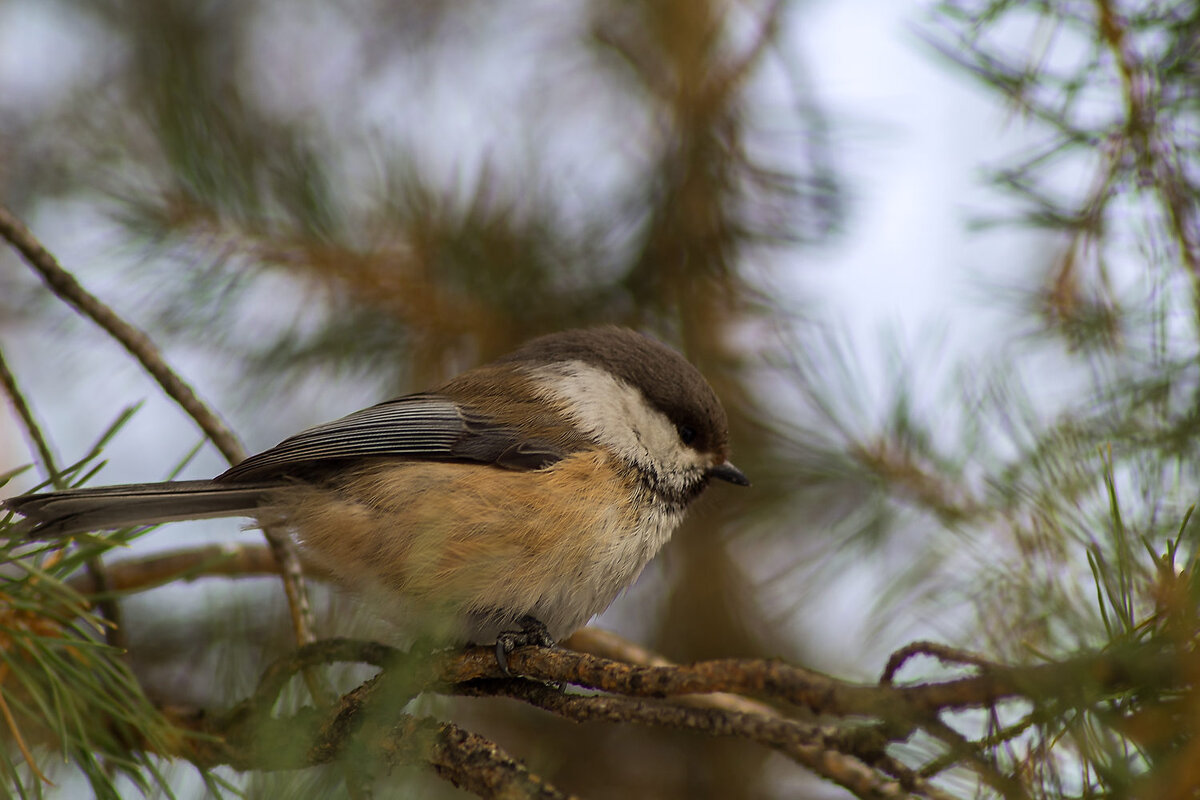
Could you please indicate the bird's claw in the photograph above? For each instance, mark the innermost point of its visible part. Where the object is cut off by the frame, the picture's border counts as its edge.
(532, 633)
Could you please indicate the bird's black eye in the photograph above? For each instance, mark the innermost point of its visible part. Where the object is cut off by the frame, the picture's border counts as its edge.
(687, 434)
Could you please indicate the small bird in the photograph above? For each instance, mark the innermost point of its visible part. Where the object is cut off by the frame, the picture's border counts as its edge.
(514, 502)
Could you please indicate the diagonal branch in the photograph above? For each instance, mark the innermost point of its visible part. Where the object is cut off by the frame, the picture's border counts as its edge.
(141, 347)
(135, 341)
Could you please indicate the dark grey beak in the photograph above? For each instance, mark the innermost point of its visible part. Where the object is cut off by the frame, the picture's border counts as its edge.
(728, 472)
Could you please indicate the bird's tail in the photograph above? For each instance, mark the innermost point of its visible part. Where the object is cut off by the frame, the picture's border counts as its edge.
(57, 514)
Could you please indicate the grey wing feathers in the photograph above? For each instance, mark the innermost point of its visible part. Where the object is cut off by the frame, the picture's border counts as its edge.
(416, 426)
(421, 426)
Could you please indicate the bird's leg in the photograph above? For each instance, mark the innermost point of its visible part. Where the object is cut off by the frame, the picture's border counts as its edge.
(532, 632)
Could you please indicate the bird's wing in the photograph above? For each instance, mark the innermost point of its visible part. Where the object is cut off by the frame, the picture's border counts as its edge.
(420, 426)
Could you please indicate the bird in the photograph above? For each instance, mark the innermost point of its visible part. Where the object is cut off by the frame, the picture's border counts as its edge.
(511, 504)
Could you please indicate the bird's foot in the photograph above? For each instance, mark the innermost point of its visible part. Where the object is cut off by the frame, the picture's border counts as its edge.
(532, 632)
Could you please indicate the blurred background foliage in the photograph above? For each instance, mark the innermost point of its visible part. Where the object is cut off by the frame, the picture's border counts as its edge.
(381, 194)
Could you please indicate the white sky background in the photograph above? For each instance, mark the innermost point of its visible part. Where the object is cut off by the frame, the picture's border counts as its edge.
(911, 134)
(906, 277)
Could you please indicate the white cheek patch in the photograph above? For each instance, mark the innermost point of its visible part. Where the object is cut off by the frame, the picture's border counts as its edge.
(618, 417)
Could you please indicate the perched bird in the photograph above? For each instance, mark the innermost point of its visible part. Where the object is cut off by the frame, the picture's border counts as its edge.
(514, 502)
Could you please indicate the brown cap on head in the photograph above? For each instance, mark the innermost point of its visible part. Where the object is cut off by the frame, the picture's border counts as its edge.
(665, 378)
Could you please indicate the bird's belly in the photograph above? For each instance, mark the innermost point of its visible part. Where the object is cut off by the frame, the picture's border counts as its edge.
(569, 596)
(471, 549)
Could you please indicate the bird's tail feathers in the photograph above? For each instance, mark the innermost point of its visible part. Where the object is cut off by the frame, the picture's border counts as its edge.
(57, 514)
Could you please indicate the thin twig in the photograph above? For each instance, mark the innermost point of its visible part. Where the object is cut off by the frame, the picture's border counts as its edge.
(226, 560)
(141, 347)
(114, 634)
(25, 414)
(943, 653)
(1170, 181)
(987, 769)
(135, 341)
(326, 651)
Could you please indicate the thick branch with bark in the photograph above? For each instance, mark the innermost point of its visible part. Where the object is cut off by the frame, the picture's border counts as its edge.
(851, 752)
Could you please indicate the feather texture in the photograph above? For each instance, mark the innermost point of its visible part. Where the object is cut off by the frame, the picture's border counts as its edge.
(57, 514)
(558, 544)
(418, 426)
(539, 485)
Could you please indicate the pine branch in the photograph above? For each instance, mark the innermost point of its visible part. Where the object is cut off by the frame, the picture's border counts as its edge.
(64, 285)
(852, 753)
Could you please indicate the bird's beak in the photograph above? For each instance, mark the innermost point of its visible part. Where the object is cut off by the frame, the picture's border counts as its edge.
(728, 472)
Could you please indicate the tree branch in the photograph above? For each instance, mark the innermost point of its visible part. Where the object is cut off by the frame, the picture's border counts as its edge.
(138, 344)
(1078, 679)
(227, 560)
(842, 757)
(853, 755)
